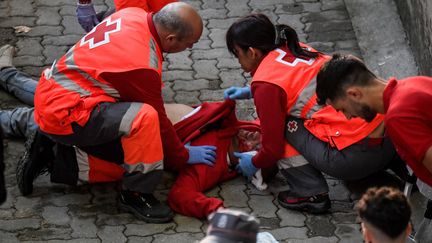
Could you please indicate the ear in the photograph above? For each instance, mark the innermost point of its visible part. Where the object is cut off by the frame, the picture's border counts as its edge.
(171, 38)
(354, 92)
(366, 233)
(254, 53)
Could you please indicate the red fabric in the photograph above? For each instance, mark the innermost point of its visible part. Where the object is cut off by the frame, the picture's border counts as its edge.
(217, 125)
(272, 122)
(408, 120)
(147, 5)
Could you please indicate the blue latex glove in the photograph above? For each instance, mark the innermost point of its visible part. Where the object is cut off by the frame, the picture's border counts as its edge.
(201, 154)
(235, 93)
(86, 15)
(245, 165)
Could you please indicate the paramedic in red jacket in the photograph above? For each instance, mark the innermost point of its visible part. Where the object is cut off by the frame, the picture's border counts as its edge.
(349, 86)
(97, 98)
(88, 18)
(283, 88)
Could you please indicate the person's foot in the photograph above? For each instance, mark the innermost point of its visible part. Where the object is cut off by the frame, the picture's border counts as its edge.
(145, 206)
(37, 159)
(315, 204)
(6, 56)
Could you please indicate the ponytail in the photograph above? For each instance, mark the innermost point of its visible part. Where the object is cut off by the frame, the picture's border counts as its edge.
(287, 36)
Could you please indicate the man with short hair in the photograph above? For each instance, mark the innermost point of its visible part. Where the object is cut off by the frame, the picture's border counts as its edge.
(345, 83)
(104, 97)
(385, 216)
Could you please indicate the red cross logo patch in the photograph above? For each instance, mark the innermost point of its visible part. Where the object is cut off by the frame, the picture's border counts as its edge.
(100, 35)
(292, 126)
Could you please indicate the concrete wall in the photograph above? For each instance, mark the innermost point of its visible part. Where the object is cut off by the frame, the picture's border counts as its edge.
(416, 17)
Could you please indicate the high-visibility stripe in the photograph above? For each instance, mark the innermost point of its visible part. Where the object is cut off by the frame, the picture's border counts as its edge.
(154, 60)
(291, 162)
(303, 99)
(143, 167)
(128, 118)
(71, 65)
(83, 164)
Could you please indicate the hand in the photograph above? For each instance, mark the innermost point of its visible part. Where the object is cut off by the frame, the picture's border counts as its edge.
(245, 165)
(201, 154)
(86, 16)
(234, 93)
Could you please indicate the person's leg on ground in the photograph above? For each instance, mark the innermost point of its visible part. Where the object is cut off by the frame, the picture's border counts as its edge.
(14, 81)
(18, 122)
(308, 187)
(354, 162)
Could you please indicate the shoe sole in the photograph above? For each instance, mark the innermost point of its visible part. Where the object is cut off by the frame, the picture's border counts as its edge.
(314, 208)
(22, 168)
(132, 210)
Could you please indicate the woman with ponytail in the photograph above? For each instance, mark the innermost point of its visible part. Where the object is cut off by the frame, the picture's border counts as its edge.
(301, 137)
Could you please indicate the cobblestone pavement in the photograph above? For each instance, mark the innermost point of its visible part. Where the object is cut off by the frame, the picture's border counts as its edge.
(56, 213)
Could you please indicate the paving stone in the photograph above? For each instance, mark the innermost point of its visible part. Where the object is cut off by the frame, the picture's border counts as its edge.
(225, 63)
(112, 234)
(187, 224)
(289, 8)
(56, 215)
(233, 196)
(289, 233)
(320, 225)
(167, 93)
(338, 191)
(18, 224)
(260, 209)
(114, 219)
(291, 218)
(221, 23)
(211, 95)
(64, 40)
(8, 237)
(68, 199)
(293, 21)
(86, 240)
(180, 60)
(238, 8)
(330, 36)
(232, 78)
(26, 206)
(67, 10)
(268, 223)
(148, 229)
(54, 3)
(29, 46)
(325, 16)
(173, 75)
(21, 8)
(28, 61)
(211, 13)
(6, 213)
(260, 3)
(16, 21)
(135, 239)
(333, 5)
(341, 25)
(217, 4)
(48, 16)
(213, 53)
(52, 53)
(45, 234)
(205, 69)
(318, 239)
(349, 233)
(346, 44)
(345, 218)
(71, 26)
(187, 98)
(83, 227)
(191, 85)
(202, 44)
(44, 31)
(218, 38)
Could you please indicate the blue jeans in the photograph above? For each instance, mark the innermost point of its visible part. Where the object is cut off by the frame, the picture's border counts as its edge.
(18, 122)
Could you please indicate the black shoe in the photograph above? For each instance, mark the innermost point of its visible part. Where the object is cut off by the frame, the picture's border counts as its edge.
(315, 204)
(37, 159)
(145, 206)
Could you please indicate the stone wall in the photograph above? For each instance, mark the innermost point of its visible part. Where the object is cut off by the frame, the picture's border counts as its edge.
(416, 17)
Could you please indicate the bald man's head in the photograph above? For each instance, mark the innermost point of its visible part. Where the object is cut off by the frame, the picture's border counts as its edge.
(179, 26)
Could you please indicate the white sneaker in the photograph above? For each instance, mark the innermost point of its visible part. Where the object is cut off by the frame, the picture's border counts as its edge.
(6, 56)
